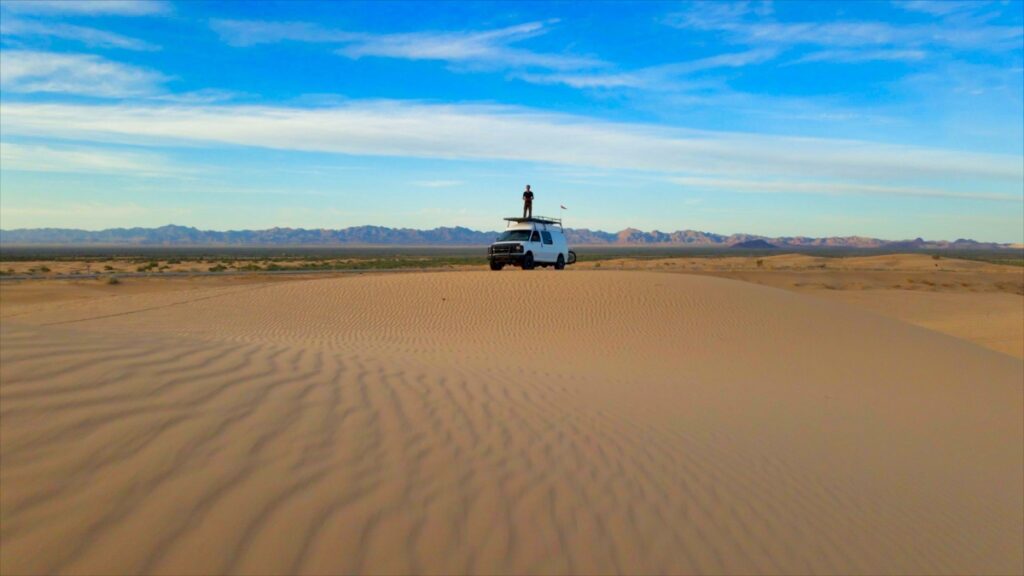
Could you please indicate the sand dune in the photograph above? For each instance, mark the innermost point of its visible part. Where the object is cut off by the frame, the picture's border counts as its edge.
(477, 422)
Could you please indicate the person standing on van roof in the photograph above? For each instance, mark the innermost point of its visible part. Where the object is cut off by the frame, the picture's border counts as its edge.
(528, 203)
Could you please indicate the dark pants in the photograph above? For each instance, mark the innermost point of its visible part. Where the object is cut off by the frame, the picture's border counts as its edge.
(527, 209)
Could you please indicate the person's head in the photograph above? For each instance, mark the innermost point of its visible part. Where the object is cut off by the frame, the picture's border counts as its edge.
(527, 187)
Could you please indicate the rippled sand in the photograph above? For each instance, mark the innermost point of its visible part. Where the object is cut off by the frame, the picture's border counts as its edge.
(477, 422)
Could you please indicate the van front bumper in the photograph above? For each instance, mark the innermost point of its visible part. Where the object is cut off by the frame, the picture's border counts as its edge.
(516, 259)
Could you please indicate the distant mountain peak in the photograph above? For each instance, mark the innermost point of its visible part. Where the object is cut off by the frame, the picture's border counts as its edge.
(178, 235)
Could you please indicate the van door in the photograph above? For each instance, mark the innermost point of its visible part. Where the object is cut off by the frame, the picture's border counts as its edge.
(550, 250)
(537, 247)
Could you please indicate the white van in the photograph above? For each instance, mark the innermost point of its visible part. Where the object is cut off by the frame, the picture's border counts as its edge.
(531, 242)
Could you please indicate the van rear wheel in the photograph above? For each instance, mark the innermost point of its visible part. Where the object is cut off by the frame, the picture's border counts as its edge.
(560, 263)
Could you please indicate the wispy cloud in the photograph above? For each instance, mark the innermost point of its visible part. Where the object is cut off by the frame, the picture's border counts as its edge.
(498, 133)
(588, 80)
(21, 28)
(198, 97)
(661, 77)
(483, 48)
(857, 56)
(939, 7)
(252, 32)
(80, 159)
(88, 7)
(488, 48)
(738, 23)
(82, 74)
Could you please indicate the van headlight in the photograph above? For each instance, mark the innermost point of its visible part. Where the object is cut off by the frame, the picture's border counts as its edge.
(518, 248)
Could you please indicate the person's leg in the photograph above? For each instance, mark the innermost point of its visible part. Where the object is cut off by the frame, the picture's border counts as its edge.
(525, 208)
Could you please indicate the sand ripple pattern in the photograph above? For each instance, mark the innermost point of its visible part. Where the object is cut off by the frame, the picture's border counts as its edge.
(500, 423)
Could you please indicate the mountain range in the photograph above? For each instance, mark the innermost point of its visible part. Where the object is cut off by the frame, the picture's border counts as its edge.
(172, 235)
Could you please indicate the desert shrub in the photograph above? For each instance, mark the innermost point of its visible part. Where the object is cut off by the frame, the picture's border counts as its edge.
(218, 268)
(108, 267)
(175, 261)
(44, 269)
(760, 263)
(936, 257)
(113, 280)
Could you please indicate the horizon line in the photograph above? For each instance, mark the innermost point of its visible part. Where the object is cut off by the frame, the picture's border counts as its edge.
(592, 230)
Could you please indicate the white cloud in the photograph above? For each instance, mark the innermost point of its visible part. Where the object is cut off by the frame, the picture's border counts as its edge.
(487, 48)
(731, 20)
(14, 27)
(78, 159)
(89, 7)
(858, 56)
(835, 189)
(252, 32)
(937, 7)
(588, 80)
(82, 74)
(662, 77)
(201, 96)
(497, 133)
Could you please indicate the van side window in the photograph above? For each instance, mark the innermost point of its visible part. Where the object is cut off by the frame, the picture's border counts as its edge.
(547, 237)
(535, 237)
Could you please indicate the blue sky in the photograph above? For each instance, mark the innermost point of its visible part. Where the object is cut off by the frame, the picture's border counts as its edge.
(893, 120)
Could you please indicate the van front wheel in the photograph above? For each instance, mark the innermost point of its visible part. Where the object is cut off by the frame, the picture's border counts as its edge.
(528, 261)
(560, 263)
(496, 265)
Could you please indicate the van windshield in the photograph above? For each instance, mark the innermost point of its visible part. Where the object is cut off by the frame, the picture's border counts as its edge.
(514, 236)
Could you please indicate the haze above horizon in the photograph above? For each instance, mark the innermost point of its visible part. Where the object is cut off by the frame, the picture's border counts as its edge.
(890, 120)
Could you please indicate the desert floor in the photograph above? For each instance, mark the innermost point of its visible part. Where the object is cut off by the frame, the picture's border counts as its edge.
(648, 420)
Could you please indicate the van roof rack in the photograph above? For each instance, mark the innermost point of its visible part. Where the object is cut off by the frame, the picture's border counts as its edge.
(537, 219)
